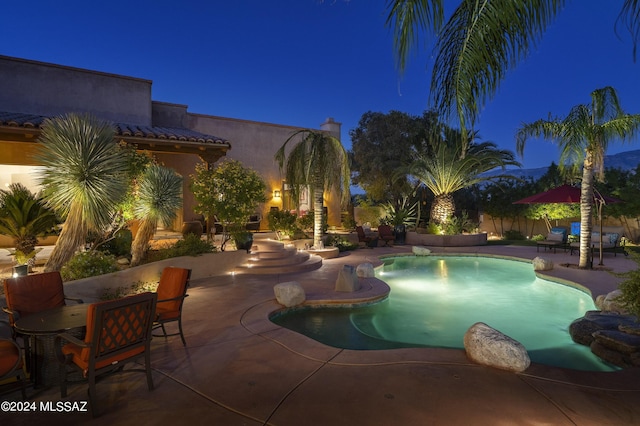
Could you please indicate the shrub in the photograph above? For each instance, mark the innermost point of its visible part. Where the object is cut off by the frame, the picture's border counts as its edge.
(88, 264)
(342, 243)
(459, 224)
(513, 235)
(283, 222)
(538, 237)
(630, 287)
(190, 245)
(135, 288)
(120, 245)
(434, 228)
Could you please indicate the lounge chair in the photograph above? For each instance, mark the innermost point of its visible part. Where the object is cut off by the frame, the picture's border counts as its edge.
(557, 238)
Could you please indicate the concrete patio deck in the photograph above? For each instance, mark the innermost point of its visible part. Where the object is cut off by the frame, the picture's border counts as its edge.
(238, 368)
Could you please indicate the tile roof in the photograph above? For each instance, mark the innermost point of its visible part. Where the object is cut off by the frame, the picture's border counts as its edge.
(31, 121)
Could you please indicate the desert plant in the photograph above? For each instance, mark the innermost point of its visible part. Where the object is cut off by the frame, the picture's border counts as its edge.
(158, 199)
(24, 217)
(402, 214)
(190, 245)
(88, 264)
(84, 178)
(459, 224)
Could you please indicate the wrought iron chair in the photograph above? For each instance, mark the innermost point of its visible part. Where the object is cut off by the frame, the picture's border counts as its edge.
(118, 331)
(11, 363)
(172, 290)
(34, 293)
(30, 294)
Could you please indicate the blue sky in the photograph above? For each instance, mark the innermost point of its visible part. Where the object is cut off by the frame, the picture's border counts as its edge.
(298, 62)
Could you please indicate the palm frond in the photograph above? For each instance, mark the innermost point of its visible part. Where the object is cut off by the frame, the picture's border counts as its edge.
(630, 17)
(407, 19)
(478, 45)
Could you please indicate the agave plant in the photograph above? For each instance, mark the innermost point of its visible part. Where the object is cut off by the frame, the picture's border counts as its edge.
(402, 214)
(24, 217)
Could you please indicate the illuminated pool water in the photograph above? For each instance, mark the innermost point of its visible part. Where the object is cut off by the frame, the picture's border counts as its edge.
(434, 301)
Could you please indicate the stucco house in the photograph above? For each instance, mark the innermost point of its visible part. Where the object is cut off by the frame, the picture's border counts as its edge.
(31, 91)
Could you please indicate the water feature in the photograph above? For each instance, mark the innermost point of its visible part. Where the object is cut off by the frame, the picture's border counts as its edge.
(434, 300)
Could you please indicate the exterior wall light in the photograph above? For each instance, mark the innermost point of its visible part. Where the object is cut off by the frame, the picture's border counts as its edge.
(276, 194)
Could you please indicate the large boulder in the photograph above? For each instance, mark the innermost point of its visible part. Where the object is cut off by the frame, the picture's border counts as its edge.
(609, 302)
(487, 346)
(347, 279)
(365, 270)
(542, 264)
(289, 293)
(420, 251)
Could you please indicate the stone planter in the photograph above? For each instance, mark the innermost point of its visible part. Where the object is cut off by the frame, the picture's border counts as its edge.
(461, 240)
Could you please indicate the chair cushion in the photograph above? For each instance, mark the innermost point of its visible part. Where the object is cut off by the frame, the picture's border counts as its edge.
(34, 293)
(83, 362)
(9, 356)
(172, 284)
(163, 314)
(555, 237)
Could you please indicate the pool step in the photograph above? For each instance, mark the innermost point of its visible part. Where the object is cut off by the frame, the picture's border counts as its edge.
(274, 257)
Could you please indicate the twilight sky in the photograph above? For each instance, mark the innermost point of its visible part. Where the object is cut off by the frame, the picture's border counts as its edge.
(297, 62)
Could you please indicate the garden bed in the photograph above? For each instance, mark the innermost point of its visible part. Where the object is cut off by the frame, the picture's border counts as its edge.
(459, 240)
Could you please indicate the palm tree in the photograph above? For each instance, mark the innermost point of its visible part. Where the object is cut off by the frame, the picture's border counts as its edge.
(158, 199)
(24, 217)
(478, 45)
(583, 137)
(83, 178)
(444, 171)
(318, 160)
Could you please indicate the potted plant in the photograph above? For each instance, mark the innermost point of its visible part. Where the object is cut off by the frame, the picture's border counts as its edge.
(24, 217)
(400, 216)
(231, 192)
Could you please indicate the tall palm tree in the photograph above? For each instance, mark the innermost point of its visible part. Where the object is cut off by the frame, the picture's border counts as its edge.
(478, 45)
(83, 178)
(318, 160)
(24, 218)
(583, 137)
(158, 199)
(444, 171)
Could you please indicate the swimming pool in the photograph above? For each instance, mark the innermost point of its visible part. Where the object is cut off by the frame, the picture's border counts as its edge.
(434, 300)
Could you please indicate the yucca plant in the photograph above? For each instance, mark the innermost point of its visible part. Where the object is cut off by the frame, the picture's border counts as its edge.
(158, 199)
(83, 178)
(24, 217)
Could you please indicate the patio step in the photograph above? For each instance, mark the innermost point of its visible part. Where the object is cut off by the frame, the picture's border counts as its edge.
(274, 257)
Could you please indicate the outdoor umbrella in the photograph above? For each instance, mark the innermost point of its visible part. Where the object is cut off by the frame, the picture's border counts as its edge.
(569, 195)
(564, 194)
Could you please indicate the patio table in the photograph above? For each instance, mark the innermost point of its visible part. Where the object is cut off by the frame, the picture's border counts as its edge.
(42, 328)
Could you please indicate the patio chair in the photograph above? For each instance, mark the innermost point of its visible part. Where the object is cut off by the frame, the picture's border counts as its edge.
(172, 290)
(11, 363)
(386, 234)
(364, 238)
(118, 332)
(557, 238)
(30, 294)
